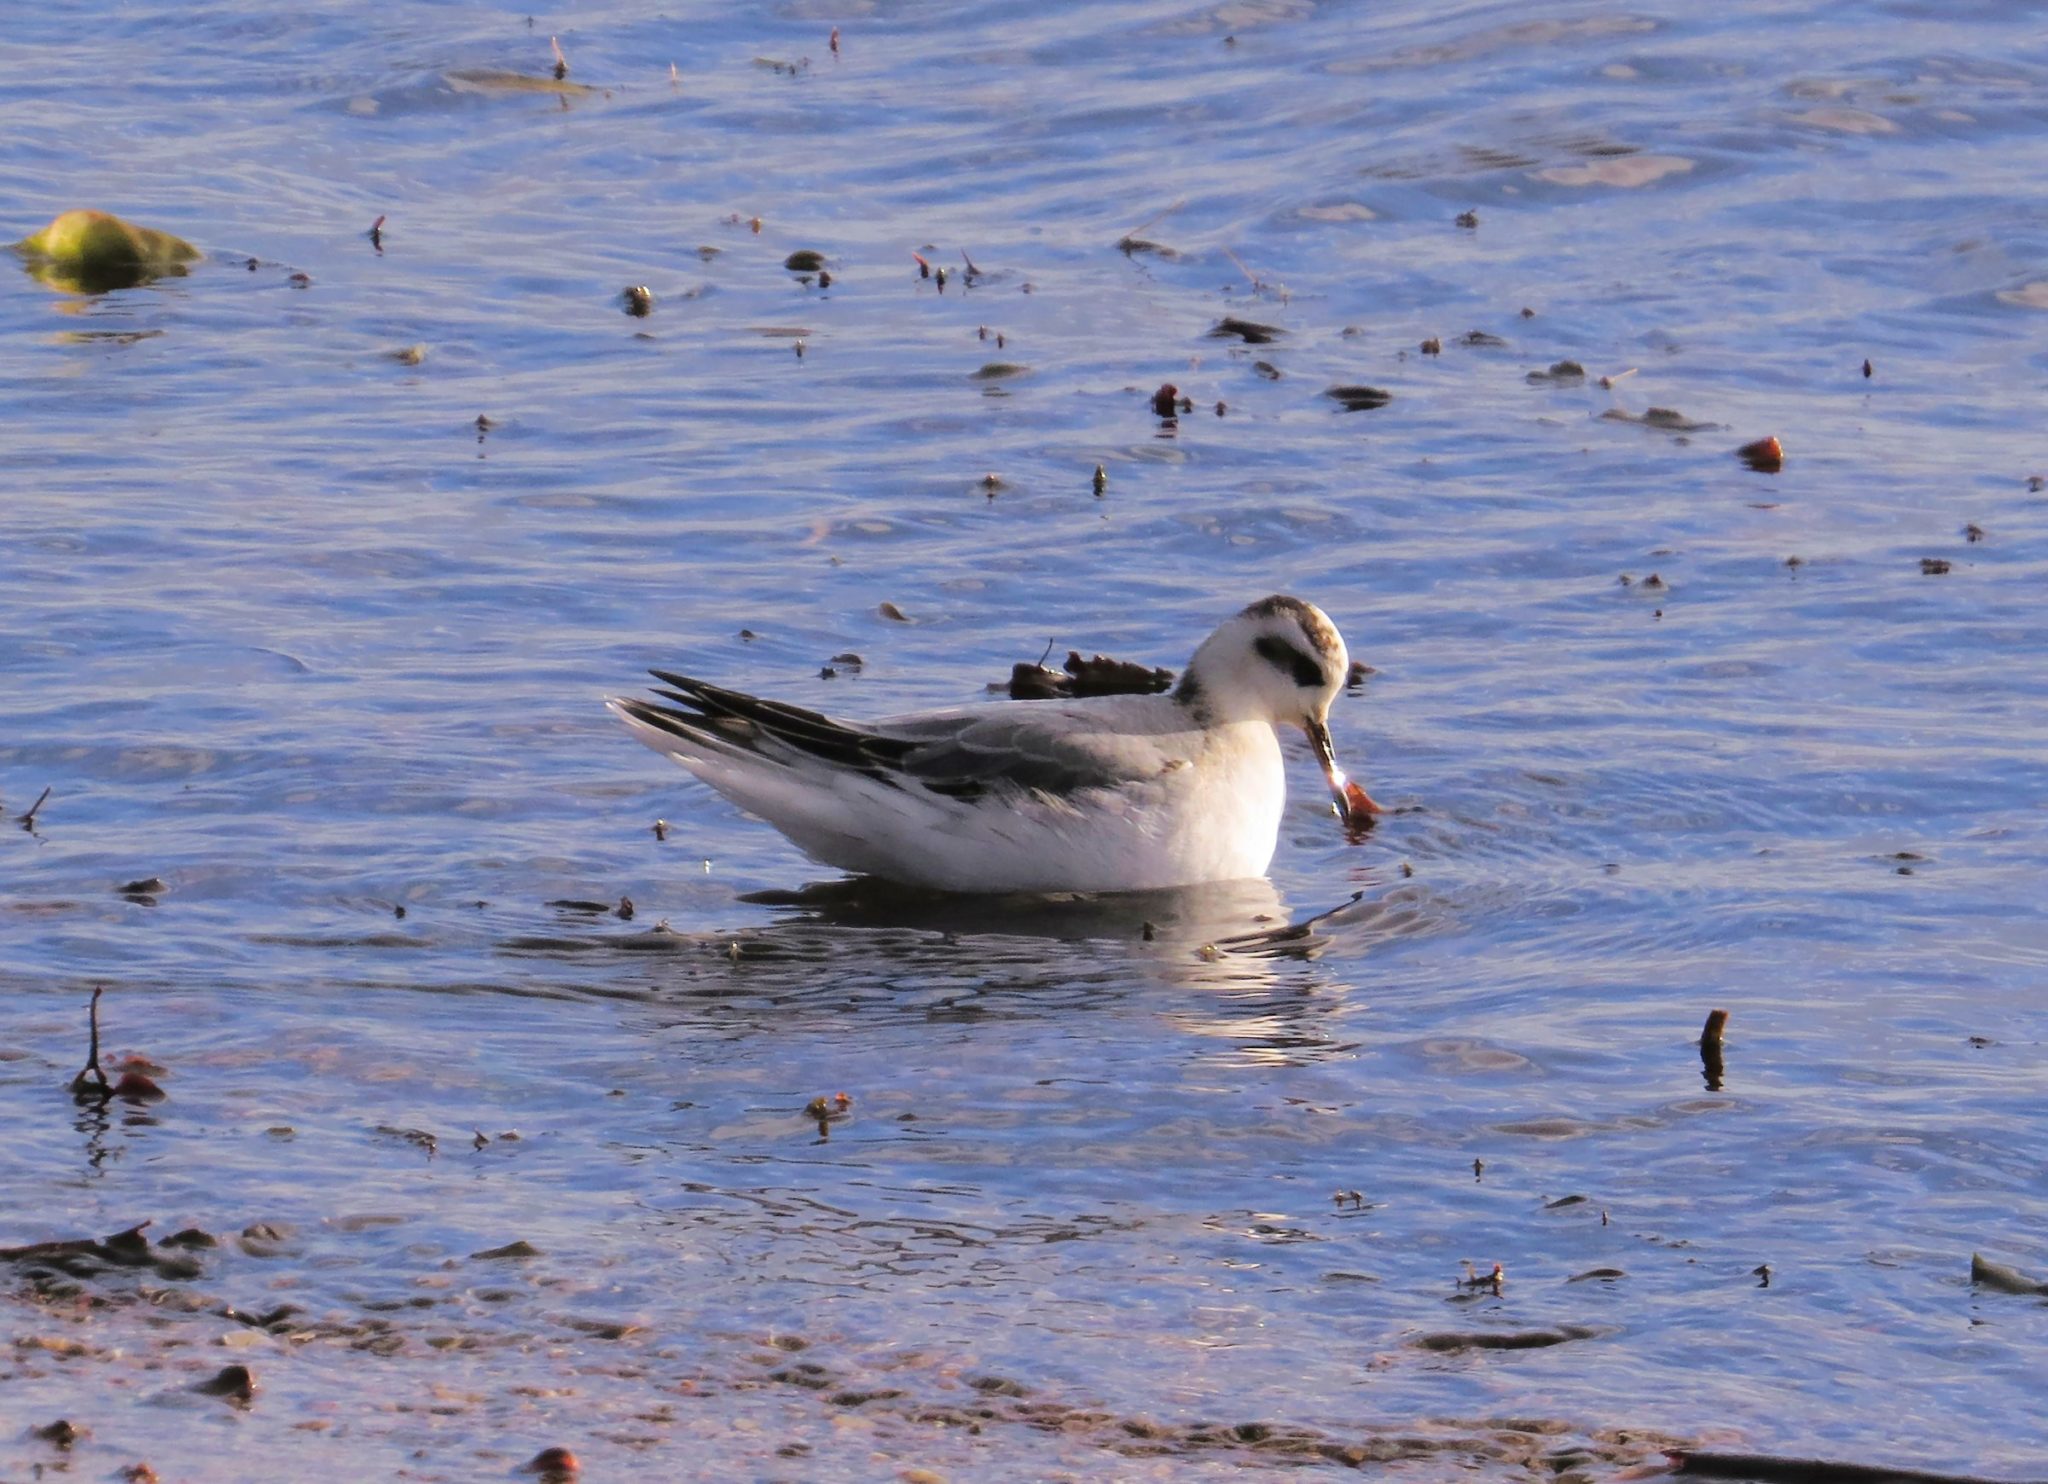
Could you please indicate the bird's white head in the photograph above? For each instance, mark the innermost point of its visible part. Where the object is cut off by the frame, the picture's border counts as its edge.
(1280, 660)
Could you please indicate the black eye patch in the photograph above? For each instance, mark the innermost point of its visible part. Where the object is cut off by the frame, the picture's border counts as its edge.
(1289, 661)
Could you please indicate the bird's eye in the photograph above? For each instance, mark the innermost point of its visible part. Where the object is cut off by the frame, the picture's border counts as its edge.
(1289, 661)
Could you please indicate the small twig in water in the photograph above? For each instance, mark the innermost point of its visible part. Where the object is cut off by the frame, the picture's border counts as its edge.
(28, 820)
(561, 62)
(1155, 217)
(91, 1081)
(1250, 277)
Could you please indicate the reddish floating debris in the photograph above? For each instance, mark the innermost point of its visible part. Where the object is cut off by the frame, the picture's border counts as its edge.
(1166, 401)
(138, 1087)
(1766, 455)
(554, 1463)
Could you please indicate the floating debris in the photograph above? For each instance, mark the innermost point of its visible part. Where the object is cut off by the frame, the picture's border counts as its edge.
(1710, 1049)
(1469, 220)
(1098, 675)
(95, 252)
(1666, 419)
(891, 612)
(375, 234)
(1166, 402)
(1759, 1468)
(804, 260)
(1866, 368)
(555, 1465)
(1473, 1278)
(998, 371)
(1560, 371)
(1101, 480)
(639, 300)
(91, 1081)
(1131, 246)
(235, 1382)
(1251, 332)
(1934, 566)
(1359, 398)
(826, 1111)
(1765, 455)
(489, 81)
(1432, 346)
(1266, 369)
(1481, 339)
(2002, 1279)
(410, 355)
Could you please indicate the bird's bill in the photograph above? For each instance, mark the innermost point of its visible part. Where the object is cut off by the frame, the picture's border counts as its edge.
(1354, 804)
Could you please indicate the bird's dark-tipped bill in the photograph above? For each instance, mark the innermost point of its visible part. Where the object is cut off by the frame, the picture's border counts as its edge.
(1354, 805)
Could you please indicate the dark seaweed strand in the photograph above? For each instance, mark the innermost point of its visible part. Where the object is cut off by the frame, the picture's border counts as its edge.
(1760, 1468)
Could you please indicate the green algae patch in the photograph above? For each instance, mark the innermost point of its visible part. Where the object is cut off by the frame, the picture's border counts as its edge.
(91, 252)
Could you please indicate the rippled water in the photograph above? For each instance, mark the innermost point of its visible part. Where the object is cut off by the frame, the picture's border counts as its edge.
(284, 631)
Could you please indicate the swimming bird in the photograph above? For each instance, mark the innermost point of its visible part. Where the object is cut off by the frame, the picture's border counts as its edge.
(1106, 794)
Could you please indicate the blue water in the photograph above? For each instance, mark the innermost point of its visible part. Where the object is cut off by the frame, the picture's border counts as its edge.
(283, 631)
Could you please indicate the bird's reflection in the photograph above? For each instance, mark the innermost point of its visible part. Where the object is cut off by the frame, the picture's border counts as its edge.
(1236, 965)
(1194, 915)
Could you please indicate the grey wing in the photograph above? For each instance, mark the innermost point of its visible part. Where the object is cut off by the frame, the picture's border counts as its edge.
(963, 754)
(1025, 746)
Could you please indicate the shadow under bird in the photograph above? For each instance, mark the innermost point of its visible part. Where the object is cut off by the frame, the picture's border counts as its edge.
(1107, 794)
